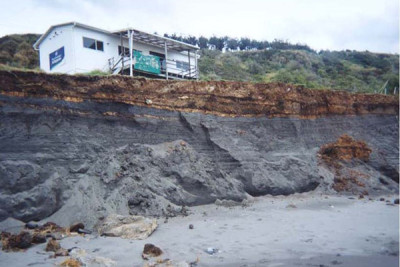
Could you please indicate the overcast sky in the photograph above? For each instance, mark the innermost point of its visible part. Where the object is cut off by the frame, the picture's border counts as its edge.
(322, 24)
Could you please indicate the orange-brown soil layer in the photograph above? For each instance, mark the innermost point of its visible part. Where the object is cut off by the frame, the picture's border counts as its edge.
(218, 97)
(346, 149)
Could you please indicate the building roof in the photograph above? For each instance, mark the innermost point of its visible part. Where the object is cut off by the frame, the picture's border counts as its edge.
(138, 35)
(41, 39)
(156, 40)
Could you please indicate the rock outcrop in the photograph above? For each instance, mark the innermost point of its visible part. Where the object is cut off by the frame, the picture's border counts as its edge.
(76, 148)
(128, 227)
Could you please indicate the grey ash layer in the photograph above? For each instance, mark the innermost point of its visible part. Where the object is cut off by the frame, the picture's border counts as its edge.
(72, 163)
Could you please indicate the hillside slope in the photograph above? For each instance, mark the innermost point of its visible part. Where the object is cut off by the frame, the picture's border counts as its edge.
(16, 51)
(345, 70)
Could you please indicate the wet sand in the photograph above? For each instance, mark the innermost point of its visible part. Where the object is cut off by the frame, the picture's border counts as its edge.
(298, 230)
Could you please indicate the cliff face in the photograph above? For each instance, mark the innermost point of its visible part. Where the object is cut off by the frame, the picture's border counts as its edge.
(218, 98)
(77, 148)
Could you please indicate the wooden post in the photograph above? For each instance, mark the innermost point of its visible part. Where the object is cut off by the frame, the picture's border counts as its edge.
(122, 53)
(130, 52)
(383, 89)
(189, 63)
(166, 57)
(197, 70)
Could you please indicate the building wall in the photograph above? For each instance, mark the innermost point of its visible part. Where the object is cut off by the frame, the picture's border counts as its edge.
(88, 59)
(57, 38)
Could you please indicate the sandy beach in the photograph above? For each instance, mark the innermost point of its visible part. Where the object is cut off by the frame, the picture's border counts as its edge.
(298, 230)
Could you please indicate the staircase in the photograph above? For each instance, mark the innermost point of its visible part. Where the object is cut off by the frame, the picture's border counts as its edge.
(121, 64)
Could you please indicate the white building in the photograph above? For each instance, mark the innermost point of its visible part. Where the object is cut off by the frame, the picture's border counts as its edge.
(77, 48)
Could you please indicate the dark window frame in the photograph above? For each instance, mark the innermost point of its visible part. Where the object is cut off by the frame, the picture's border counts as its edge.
(160, 55)
(126, 51)
(94, 44)
(97, 45)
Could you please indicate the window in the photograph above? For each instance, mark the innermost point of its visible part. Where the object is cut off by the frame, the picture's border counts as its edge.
(126, 51)
(89, 43)
(182, 65)
(93, 44)
(161, 56)
(99, 45)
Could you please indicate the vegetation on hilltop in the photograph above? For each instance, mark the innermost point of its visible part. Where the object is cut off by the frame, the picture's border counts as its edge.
(233, 44)
(348, 70)
(224, 58)
(16, 51)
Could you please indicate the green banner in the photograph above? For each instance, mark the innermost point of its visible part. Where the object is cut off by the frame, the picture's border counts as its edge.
(147, 63)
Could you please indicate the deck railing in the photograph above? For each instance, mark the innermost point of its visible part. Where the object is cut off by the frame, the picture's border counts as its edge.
(191, 72)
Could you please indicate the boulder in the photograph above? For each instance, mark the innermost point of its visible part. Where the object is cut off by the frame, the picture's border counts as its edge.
(50, 227)
(61, 252)
(52, 245)
(129, 227)
(24, 240)
(150, 250)
(16, 242)
(12, 225)
(31, 225)
(71, 262)
(86, 259)
(38, 238)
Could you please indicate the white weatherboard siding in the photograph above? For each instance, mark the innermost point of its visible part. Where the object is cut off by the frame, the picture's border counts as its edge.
(88, 59)
(80, 59)
(58, 37)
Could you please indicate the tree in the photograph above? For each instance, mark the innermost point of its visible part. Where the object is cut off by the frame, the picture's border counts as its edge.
(254, 44)
(244, 43)
(176, 37)
(217, 42)
(232, 44)
(262, 45)
(190, 40)
(203, 42)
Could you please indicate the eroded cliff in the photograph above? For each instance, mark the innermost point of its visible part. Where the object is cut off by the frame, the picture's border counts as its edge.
(218, 98)
(77, 148)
